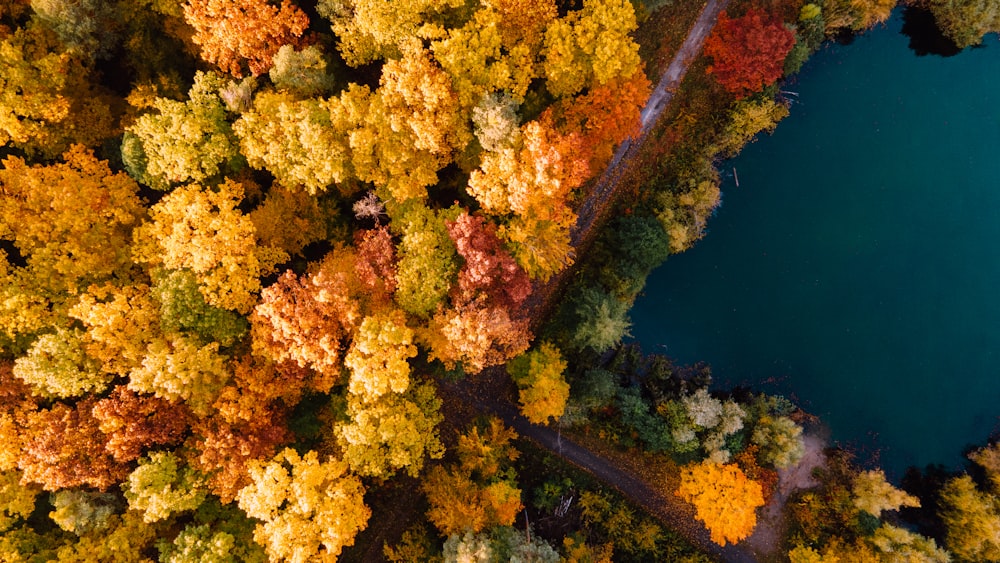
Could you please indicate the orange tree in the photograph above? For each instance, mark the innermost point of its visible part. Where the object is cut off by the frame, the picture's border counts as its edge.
(724, 498)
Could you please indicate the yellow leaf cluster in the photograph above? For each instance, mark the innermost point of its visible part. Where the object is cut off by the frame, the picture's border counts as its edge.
(724, 498)
(309, 509)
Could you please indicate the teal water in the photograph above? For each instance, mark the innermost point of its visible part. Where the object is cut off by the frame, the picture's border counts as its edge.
(857, 266)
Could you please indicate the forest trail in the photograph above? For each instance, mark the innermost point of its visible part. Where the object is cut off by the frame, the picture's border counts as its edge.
(602, 193)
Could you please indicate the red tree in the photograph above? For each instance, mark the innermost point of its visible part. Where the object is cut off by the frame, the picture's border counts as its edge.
(748, 52)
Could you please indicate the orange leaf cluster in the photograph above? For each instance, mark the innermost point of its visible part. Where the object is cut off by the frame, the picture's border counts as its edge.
(723, 498)
(240, 34)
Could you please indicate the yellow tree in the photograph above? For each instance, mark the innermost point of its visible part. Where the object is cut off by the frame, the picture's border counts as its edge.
(971, 520)
(408, 129)
(590, 47)
(178, 368)
(478, 61)
(368, 30)
(304, 143)
(47, 101)
(874, 495)
(289, 219)
(427, 258)
(723, 498)
(480, 489)
(542, 387)
(378, 358)
(71, 222)
(238, 35)
(393, 432)
(204, 231)
(309, 510)
(120, 323)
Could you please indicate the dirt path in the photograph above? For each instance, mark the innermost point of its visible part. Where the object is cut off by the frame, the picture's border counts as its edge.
(604, 190)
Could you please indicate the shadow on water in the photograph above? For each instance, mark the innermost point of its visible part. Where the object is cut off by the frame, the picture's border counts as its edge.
(925, 36)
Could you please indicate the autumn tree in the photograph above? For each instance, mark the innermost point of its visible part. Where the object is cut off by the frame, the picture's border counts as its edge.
(378, 358)
(543, 390)
(971, 520)
(723, 498)
(427, 258)
(479, 63)
(590, 47)
(478, 490)
(966, 22)
(874, 495)
(71, 223)
(304, 143)
(408, 129)
(605, 116)
(475, 335)
(307, 319)
(376, 264)
(204, 231)
(161, 486)
(120, 323)
(780, 441)
(88, 27)
(179, 142)
(181, 369)
(47, 100)
(309, 510)
(394, 432)
(237, 35)
(748, 52)
(368, 30)
(746, 120)
(488, 270)
(291, 219)
(856, 14)
(17, 499)
(64, 447)
(134, 422)
(81, 512)
(306, 72)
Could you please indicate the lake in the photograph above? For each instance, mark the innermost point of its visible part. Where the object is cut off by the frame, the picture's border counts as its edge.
(856, 268)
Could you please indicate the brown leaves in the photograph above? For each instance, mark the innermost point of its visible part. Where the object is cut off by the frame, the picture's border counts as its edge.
(65, 447)
(133, 422)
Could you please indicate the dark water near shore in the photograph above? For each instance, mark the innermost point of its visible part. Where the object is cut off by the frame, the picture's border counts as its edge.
(857, 266)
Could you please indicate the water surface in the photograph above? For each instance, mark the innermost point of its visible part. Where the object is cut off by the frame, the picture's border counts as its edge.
(857, 266)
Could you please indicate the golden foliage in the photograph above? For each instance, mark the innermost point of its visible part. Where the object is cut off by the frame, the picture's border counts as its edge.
(723, 498)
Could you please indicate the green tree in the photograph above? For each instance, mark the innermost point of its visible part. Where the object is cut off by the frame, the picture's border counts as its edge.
(183, 309)
(82, 512)
(57, 365)
(780, 441)
(427, 258)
